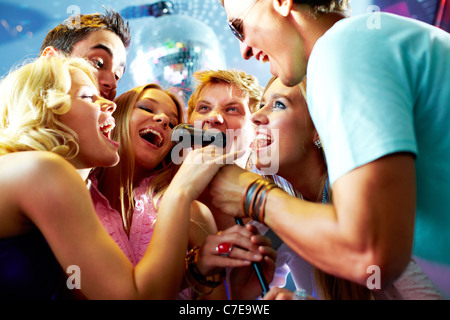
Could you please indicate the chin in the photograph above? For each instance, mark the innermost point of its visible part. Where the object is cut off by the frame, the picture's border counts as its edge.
(110, 162)
(293, 78)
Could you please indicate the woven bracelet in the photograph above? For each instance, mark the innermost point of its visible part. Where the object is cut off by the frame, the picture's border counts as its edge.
(254, 198)
(191, 266)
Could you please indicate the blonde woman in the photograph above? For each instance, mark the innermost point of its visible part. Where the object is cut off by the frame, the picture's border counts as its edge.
(53, 123)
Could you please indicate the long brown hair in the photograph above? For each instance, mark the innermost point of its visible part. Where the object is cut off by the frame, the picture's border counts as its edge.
(163, 173)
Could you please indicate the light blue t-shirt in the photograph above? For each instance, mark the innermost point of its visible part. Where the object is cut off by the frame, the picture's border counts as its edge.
(378, 91)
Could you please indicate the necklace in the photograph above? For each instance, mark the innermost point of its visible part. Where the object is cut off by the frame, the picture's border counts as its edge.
(325, 192)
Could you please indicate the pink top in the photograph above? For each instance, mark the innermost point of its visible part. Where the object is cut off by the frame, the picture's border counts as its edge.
(142, 225)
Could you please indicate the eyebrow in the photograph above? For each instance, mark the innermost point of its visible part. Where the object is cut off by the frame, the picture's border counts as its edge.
(110, 53)
(227, 104)
(175, 115)
(278, 96)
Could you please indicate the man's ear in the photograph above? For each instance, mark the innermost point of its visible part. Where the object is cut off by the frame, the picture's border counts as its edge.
(283, 7)
(50, 52)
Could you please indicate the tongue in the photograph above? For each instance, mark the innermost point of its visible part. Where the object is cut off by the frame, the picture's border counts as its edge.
(257, 144)
(152, 138)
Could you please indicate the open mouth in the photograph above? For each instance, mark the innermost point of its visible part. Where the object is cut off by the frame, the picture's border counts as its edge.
(106, 127)
(152, 136)
(262, 57)
(261, 141)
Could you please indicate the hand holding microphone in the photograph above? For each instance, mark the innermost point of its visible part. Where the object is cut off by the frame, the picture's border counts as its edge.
(190, 136)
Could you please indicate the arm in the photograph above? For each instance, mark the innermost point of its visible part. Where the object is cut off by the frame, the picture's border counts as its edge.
(48, 192)
(370, 223)
(202, 225)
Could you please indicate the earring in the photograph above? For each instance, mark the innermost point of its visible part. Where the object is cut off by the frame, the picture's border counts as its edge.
(318, 144)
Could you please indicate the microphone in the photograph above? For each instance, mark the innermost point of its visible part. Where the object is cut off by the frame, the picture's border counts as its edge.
(257, 268)
(189, 136)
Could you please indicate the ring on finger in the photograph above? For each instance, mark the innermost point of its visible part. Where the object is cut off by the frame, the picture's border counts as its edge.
(224, 249)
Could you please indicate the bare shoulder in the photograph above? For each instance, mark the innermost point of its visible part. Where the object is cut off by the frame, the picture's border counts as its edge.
(29, 170)
(29, 162)
(25, 176)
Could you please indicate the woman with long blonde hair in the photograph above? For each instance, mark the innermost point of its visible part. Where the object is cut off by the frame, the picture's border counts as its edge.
(283, 123)
(53, 123)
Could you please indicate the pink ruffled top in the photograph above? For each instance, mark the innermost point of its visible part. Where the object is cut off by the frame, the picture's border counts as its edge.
(143, 222)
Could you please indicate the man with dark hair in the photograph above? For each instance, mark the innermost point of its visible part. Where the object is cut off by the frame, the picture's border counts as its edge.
(102, 39)
(378, 92)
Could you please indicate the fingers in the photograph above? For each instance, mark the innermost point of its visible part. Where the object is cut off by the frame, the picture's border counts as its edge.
(243, 251)
(240, 238)
(212, 155)
(264, 243)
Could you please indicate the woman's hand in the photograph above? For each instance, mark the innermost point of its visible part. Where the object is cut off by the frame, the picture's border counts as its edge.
(242, 253)
(198, 169)
(247, 246)
(244, 282)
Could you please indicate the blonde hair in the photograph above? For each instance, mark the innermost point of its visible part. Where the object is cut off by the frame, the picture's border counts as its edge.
(31, 99)
(121, 133)
(247, 83)
(328, 287)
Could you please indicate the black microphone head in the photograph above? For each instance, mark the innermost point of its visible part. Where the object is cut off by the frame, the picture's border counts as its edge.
(189, 136)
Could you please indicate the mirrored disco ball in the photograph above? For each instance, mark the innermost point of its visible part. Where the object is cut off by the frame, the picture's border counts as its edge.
(169, 49)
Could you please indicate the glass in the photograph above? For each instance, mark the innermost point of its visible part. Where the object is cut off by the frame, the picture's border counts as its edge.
(237, 30)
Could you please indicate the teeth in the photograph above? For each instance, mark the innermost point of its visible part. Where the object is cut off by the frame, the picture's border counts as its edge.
(261, 136)
(261, 140)
(148, 130)
(262, 58)
(143, 132)
(107, 126)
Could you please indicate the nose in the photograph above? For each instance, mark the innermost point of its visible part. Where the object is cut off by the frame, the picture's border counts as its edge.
(246, 51)
(108, 84)
(162, 118)
(107, 105)
(259, 118)
(214, 118)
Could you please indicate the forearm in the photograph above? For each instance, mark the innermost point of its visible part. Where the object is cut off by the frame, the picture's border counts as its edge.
(370, 222)
(164, 264)
(312, 230)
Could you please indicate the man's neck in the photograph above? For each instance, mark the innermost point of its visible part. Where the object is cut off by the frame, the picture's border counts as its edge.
(313, 26)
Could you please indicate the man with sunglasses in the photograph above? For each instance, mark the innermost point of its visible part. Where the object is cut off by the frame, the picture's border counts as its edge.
(378, 93)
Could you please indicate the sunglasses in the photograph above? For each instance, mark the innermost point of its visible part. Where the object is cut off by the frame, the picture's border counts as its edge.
(236, 28)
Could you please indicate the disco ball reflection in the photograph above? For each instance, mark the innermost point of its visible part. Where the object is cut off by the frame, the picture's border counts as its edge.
(169, 49)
